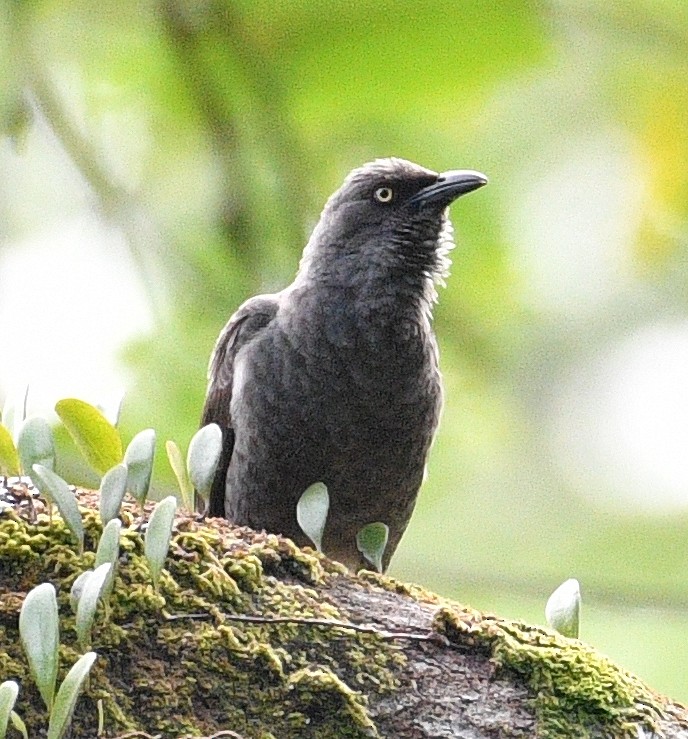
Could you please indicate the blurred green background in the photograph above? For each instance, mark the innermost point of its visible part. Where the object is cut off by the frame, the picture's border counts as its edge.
(162, 161)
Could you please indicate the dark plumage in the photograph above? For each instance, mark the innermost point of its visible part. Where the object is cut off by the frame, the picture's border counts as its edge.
(335, 378)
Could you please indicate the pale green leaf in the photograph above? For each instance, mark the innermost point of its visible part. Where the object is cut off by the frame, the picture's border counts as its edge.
(139, 462)
(108, 551)
(40, 637)
(371, 541)
(77, 589)
(35, 444)
(113, 486)
(158, 533)
(311, 512)
(563, 609)
(174, 455)
(67, 695)
(113, 409)
(55, 488)
(97, 439)
(203, 457)
(88, 603)
(9, 690)
(14, 411)
(9, 457)
(19, 725)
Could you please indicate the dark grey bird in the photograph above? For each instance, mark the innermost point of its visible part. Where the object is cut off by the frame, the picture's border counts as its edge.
(335, 379)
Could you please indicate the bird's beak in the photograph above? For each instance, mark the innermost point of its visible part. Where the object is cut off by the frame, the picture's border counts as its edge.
(449, 186)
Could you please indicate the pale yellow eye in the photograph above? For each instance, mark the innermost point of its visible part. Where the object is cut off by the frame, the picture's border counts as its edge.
(384, 194)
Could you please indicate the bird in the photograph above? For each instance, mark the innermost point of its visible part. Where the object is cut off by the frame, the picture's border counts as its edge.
(335, 379)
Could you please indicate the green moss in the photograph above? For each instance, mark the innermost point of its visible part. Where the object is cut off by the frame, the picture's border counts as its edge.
(174, 661)
(198, 676)
(413, 591)
(578, 692)
(324, 689)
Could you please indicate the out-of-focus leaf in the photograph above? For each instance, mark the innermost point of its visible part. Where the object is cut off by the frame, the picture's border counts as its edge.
(54, 487)
(67, 695)
(9, 457)
(452, 52)
(88, 603)
(311, 512)
(97, 439)
(17, 121)
(112, 410)
(158, 533)
(14, 411)
(371, 541)
(9, 690)
(113, 486)
(139, 462)
(40, 637)
(176, 459)
(563, 608)
(35, 444)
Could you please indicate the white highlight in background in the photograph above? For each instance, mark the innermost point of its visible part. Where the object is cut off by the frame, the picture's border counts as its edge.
(70, 298)
(621, 421)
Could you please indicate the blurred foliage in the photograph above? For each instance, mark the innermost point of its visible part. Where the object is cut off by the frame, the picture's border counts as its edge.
(210, 132)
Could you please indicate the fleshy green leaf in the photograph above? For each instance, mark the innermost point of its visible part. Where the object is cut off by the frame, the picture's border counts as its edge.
(371, 541)
(14, 411)
(97, 439)
(36, 445)
(113, 486)
(88, 603)
(139, 461)
(158, 533)
(9, 690)
(108, 552)
(202, 459)
(77, 589)
(563, 609)
(9, 457)
(67, 695)
(174, 455)
(311, 512)
(54, 487)
(113, 409)
(40, 637)
(19, 725)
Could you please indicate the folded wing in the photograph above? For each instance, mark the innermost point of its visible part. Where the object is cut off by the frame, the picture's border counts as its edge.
(249, 320)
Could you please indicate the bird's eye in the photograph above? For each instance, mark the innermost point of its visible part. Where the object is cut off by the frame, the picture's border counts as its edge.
(384, 194)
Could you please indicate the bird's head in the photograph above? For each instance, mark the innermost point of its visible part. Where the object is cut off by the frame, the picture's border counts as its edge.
(389, 217)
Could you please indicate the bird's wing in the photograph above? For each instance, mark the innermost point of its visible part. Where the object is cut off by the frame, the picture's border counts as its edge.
(253, 316)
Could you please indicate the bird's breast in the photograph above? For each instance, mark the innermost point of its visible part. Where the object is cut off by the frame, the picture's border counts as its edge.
(380, 366)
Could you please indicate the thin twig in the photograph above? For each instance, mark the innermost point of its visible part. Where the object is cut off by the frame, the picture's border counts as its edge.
(235, 131)
(321, 622)
(224, 734)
